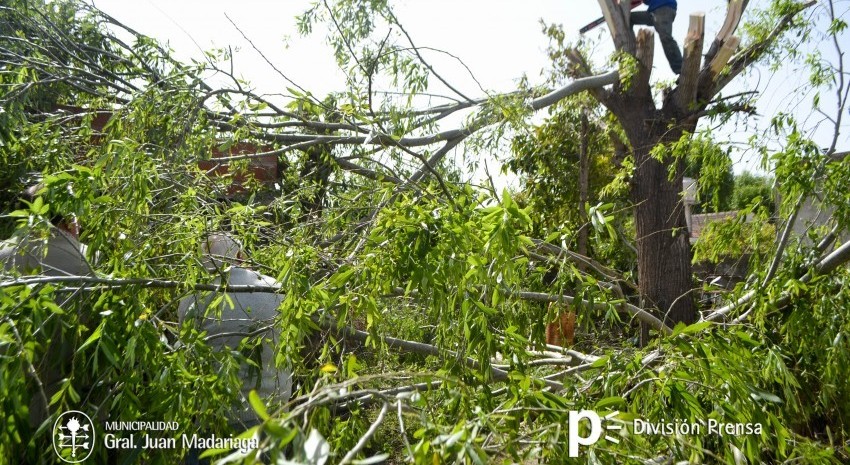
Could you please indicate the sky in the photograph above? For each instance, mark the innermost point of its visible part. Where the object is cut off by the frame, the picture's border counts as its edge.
(498, 40)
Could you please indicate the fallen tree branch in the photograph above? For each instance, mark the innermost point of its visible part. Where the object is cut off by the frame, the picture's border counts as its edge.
(825, 265)
(581, 84)
(559, 252)
(143, 282)
(637, 312)
(426, 349)
(367, 435)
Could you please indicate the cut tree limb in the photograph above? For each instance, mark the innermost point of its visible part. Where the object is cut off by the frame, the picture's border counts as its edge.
(617, 17)
(750, 54)
(428, 349)
(828, 264)
(734, 11)
(825, 265)
(645, 51)
(639, 313)
(581, 84)
(730, 46)
(686, 93)
(559, 252)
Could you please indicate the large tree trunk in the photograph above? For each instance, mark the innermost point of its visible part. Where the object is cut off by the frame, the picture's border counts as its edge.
(664, 252)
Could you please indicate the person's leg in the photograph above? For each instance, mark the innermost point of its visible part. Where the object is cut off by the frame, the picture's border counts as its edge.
(642, 18)
(663, 18)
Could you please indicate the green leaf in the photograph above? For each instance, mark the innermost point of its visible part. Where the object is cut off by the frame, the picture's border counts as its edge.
(257, 405)
(696, 327)
(601, 362)
(341, 277)
(609, 401)
(95, 335)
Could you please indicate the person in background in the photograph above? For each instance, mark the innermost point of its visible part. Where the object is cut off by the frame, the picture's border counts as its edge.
(251, 315)
(661, 14)
(60, 254)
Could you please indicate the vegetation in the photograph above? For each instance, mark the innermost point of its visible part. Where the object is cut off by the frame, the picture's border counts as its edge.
(752, 190)
(412, 316)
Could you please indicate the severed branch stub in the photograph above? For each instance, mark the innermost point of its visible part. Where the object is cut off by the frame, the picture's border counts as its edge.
(734, 11)
(710, 81)
(617, 17)
(689, 78)
(722, 58)
(645, 51)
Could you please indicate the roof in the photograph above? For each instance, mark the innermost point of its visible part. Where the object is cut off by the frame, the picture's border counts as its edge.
(700, 221)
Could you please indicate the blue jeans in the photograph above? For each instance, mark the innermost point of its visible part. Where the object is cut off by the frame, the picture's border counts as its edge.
(662, 19)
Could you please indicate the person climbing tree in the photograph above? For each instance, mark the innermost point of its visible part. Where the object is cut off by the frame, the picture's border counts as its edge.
(661, 14)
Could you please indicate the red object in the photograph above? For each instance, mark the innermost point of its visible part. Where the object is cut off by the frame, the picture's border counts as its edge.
(263, 168)
(561, 331)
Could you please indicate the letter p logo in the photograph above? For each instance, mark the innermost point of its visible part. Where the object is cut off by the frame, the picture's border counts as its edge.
(573, 432)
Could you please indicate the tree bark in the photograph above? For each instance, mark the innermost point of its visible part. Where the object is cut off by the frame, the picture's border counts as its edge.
(664, 252)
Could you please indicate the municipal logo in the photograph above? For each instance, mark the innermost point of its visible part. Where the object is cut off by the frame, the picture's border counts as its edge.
(73, 436)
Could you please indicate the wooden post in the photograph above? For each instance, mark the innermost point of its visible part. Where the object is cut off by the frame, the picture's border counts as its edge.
(689, 78)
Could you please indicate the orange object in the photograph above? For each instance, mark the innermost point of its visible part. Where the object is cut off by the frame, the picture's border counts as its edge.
(562, 330)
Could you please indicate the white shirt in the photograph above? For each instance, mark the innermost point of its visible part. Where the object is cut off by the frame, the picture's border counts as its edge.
(59, 255)
(251, 311)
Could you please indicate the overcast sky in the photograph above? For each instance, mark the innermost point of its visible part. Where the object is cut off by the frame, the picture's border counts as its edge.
(499, 40)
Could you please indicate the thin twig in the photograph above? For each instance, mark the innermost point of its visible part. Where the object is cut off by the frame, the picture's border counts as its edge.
(368, 435)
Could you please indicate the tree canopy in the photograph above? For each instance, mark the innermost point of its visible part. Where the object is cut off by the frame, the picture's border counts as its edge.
(411, 313)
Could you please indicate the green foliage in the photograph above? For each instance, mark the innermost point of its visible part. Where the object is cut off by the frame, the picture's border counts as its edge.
(753, 192)
(405, 316)
(763, 23)
(548, 160)
(628, 66)
(748, 234)
(711, 166)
